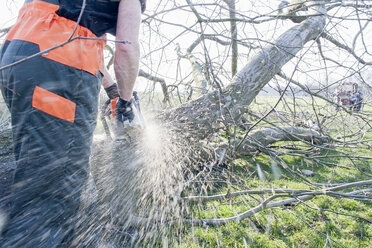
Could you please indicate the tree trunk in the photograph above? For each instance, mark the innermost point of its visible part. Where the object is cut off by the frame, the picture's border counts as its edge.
(204, 116)
(234, 36)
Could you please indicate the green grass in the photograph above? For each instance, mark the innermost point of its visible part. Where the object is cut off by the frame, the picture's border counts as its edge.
(323, 221)
(303, 226)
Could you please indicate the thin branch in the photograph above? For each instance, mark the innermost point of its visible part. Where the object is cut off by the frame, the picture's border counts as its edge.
(301, 197)
(344, 47)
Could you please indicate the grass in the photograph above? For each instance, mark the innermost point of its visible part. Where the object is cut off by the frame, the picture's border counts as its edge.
(341, 222)
(323, 221)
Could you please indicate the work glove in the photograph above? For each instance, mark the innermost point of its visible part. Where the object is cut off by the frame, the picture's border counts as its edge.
(112, 91)
(124, 111)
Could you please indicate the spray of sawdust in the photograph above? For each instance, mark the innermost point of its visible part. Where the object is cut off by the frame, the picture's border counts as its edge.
(139, 183)
(152, 171)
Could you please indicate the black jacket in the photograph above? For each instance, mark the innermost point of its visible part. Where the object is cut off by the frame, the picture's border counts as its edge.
(99, 16)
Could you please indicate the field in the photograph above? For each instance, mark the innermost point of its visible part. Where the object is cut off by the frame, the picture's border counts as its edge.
(323, 221)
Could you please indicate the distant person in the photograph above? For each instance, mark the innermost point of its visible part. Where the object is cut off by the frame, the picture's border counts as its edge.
(345, 98)
(353, 101)
(53, 100)
(358, 101)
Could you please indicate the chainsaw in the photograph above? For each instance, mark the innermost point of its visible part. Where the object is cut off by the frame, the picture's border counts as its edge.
(121, 130)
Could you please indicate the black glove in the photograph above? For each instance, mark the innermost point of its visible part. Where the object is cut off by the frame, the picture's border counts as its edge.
(112, 91)
(124, 110)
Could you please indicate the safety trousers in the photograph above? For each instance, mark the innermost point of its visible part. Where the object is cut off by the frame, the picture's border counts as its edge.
(53, 112)
(53, 101)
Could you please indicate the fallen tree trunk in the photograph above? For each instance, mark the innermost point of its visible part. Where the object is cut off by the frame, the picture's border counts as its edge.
(220, 108)
(268, 136)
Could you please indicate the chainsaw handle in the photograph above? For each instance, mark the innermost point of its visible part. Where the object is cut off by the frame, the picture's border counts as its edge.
(105, 105)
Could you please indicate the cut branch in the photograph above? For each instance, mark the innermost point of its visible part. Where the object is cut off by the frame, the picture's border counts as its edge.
(297, 198)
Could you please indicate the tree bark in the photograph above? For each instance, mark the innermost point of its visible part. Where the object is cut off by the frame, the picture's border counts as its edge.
(268, 136)
(204, 116)
(234, 36)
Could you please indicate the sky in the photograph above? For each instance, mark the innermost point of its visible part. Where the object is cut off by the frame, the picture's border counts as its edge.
(9, 11)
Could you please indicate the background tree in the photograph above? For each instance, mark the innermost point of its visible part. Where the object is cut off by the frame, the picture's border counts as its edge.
(279, 111)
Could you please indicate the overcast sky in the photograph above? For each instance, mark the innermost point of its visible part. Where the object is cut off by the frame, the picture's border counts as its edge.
(346, 33)
(9, 11)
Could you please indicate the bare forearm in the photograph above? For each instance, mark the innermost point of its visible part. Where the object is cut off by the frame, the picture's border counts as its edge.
(126, 68)
(127, 55)
(107, 81)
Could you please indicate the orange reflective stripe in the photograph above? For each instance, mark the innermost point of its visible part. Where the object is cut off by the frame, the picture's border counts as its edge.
(53, 104)
(113, 107)
(38, 23)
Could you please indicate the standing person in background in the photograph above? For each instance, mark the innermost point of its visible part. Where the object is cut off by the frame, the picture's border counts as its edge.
(358, 101)
(53, 100)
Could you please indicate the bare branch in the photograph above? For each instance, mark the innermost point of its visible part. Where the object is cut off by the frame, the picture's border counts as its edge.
(301, 197)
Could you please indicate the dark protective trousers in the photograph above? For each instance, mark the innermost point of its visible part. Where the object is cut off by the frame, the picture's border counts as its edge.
(53, 112)
(52, 154)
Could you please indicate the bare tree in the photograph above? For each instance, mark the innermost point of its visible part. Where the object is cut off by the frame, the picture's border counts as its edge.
(304, 64)
(243, 78)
